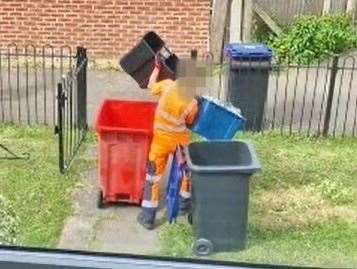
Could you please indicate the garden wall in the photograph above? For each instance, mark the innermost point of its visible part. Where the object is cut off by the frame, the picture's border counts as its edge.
(108, 28)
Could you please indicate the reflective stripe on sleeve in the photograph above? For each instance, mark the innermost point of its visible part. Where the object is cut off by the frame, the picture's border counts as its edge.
(172, 129)
(170, 118)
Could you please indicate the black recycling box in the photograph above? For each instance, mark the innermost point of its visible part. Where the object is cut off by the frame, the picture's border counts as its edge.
(139, 61)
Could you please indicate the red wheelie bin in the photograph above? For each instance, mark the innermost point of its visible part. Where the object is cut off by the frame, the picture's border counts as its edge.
(124, 130)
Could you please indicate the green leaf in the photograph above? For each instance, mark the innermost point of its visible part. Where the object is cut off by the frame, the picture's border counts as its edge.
(312, 37)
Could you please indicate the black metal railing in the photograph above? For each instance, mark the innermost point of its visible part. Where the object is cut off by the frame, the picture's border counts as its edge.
(317, 99)
(28, 78)
(72, 110)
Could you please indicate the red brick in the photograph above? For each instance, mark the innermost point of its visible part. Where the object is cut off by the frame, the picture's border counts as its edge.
(105, 27)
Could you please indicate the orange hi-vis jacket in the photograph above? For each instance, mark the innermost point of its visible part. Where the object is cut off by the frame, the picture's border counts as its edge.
(173, 112)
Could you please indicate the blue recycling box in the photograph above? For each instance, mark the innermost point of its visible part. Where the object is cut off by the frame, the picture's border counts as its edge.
(216, 121)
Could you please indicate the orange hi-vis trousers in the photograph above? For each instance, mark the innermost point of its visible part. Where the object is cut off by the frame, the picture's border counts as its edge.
(163, 144)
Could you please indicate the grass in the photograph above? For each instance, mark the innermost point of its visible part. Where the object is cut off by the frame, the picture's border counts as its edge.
(303, 209)
(38, 193)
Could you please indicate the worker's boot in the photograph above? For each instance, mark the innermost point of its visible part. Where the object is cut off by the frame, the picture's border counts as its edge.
(185, 205)
(147, 218)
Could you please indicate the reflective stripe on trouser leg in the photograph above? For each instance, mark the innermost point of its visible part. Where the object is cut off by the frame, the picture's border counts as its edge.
(185, 191)
(151, 192)
(155, 170)
(151, 180)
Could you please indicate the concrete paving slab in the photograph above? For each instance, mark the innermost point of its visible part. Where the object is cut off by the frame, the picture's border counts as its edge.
(77, 233)
(124, 235)
(113, 229)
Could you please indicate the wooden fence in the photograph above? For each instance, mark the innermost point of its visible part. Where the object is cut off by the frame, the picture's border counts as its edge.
(284, 11)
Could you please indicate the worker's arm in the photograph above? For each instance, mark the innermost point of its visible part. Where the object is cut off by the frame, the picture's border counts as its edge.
(154, 75)
(191, 116)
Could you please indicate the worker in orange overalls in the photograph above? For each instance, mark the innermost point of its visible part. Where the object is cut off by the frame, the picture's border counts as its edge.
(177, 108)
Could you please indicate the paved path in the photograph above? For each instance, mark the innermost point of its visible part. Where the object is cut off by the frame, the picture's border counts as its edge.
(103, 85)
(35, 99)
(113, 229)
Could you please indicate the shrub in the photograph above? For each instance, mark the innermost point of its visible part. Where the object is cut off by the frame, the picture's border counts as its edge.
(9, 223)
(314, 37)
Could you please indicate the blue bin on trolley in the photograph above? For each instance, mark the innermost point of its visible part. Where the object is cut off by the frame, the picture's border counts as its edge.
(216, 121)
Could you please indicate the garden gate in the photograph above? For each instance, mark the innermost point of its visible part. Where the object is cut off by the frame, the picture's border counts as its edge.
(72, 110)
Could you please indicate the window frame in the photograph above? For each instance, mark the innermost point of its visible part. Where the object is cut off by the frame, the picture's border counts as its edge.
(31, 258)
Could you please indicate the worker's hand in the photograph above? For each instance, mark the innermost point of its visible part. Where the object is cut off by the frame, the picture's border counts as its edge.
(155, 73)
(158, 63)
(198, 100)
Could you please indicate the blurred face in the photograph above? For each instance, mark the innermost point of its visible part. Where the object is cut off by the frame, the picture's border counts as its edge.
(192, 75)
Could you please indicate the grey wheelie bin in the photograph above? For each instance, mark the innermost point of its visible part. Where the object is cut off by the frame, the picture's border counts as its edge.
(220, 172)
(249, 66)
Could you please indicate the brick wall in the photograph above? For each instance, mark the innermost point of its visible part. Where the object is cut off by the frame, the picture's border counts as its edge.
(108, 28)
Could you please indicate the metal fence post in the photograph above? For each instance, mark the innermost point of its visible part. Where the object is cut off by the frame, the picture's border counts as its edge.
(85, 87)
(334, 69)
(82, 87)
(59, 127)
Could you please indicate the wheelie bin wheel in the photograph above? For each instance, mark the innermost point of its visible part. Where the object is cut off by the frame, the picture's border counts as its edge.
(100, 200)
(189, 218)
(203, 247)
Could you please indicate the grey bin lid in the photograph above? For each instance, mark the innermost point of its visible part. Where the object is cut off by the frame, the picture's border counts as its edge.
(244, 164)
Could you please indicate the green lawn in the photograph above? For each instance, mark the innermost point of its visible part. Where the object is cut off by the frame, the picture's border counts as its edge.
(38, 194)
(303, 206)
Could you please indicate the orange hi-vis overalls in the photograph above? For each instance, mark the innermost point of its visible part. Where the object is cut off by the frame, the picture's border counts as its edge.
(172, 115)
